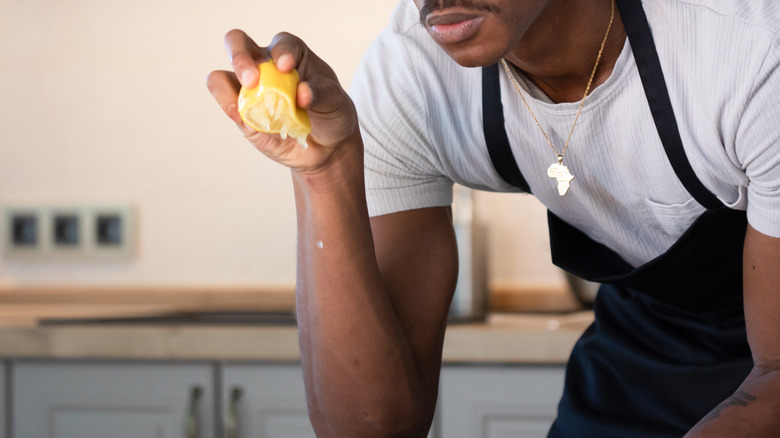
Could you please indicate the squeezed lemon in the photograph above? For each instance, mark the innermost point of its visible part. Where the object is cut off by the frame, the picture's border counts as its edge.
(270, 106)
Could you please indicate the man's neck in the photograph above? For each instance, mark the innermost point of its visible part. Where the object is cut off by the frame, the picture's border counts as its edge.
(559, 50)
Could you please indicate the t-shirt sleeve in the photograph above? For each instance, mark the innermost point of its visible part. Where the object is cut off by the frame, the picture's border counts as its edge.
(401, 163)
(758, 146)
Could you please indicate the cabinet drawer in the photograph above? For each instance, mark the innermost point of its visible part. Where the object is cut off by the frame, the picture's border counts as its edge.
(498, 402)
(265, 401)
(3, 408)
(269, 401)
(97, 400)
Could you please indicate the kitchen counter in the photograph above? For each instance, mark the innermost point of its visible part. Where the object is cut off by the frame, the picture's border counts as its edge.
(509, 338)
(125, 332)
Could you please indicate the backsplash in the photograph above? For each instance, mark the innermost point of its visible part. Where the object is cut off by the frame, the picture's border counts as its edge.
(104, 103)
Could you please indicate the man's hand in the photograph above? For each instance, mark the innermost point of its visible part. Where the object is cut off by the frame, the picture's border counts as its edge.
(330, 109)
(371, 295)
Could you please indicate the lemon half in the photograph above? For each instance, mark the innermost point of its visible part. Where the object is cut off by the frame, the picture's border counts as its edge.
(270, 106)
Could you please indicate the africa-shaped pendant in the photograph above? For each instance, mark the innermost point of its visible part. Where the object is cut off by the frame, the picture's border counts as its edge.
(561, 174)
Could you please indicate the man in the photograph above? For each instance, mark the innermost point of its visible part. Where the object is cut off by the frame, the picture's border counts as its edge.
(650, 180)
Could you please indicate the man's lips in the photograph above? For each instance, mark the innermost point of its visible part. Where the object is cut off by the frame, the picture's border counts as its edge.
(450, 18)
(453, 27)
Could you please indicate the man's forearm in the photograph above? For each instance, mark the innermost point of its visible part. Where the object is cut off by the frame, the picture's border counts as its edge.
(358, 366)
(752, 411)
(361, 370)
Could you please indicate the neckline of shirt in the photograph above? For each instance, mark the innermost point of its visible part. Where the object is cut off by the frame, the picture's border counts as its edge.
(539, 101)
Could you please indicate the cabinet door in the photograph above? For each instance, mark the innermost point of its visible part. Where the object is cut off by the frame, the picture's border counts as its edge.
(3, 386)
(98, 400)
(265, 401)
(499, 402)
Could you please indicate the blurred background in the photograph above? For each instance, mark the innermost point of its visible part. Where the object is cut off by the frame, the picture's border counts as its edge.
(103, 107)
(147, 252)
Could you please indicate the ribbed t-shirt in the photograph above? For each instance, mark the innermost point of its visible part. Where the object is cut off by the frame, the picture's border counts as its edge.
(421, 120)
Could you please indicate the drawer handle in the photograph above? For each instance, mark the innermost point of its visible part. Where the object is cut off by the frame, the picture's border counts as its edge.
(192, 425)
(231, 422)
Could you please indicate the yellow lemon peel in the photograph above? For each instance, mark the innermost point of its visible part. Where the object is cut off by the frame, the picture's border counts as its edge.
(270, 106)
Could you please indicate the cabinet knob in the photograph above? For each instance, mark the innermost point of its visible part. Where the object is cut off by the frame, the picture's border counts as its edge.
(192, 424)
(231, 421)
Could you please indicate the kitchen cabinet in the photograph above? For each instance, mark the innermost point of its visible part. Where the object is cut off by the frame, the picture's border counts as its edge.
(498, 402)
(3, 390)
(97, 400)
(265, 401)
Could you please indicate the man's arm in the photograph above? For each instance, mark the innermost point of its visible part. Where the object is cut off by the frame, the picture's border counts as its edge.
(754, 409)
(372, 316)
(372, 295)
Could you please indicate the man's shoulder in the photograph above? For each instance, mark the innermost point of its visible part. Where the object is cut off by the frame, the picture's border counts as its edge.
(404, 18)
(405, 36)
(717, 43)
(760, 15)
(404, 58)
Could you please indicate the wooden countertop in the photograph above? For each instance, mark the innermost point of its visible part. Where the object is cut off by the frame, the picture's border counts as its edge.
(515, 338)
(27, 305)
(502, 338)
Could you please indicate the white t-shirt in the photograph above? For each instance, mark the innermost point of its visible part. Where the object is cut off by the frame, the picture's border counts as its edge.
(421, 120)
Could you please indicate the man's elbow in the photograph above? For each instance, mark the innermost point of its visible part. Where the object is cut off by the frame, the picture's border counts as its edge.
(386, 421)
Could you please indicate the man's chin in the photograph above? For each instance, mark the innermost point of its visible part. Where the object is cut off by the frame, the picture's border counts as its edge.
(474, 56)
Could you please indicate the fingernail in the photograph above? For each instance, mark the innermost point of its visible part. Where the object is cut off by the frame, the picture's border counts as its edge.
(247, 77)
(287, 58)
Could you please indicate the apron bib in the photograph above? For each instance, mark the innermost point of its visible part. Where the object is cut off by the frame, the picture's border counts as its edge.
(668, 343)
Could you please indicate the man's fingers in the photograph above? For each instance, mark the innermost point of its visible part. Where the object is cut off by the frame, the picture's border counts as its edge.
(244, 55)
(323, 96)
(330, 110)
(303, 95)
(287, 51)
(319, 91)
(224, 86)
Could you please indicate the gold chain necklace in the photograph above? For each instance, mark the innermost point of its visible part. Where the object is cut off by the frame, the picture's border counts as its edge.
(558, 170)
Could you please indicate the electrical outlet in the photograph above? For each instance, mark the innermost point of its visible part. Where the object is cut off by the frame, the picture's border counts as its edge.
(112, 230)
(72, 231)
(66, 230)
(22, 231)
(109, 230)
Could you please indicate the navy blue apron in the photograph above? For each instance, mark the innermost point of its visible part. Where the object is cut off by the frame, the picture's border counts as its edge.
(668, 343)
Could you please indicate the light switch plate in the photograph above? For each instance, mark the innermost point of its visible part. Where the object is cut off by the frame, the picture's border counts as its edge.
(68, 231)
(112, 230)
(22, 232)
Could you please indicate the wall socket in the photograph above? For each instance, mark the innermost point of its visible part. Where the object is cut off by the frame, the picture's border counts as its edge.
(31, 232)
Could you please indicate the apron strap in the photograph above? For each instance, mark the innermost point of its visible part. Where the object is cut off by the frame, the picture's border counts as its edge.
(656, 92)
(650, 71)
(495, 131)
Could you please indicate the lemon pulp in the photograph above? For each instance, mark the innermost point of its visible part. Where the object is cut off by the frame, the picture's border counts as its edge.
(270, 106)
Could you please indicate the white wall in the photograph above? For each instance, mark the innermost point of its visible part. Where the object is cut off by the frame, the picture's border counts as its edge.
(103, 101)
